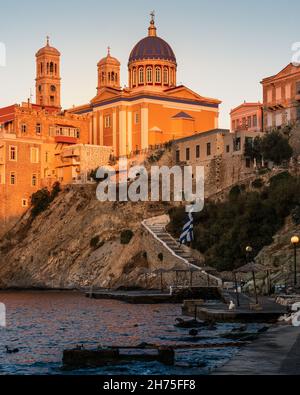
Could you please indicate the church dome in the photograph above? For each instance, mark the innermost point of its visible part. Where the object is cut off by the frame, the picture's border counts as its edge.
(48, 50)
(109, 60)
(152, 48)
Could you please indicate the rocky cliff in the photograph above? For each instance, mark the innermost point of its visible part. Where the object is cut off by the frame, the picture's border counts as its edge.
(76, 243)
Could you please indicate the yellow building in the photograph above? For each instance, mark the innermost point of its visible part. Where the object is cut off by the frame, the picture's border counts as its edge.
(152, 109)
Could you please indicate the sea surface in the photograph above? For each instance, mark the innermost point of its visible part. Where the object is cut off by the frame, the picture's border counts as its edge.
(42, 324)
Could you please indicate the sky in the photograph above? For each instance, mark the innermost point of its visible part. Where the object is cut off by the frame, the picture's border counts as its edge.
(223, 47)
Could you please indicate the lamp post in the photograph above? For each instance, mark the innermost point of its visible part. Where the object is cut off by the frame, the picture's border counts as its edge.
(249, 251)
(295, 240)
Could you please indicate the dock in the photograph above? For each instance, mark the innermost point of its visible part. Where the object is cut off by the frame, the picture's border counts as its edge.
(268, 311)
(276, 352)
(157, 297)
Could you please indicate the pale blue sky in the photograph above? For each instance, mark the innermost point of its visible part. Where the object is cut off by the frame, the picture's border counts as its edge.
(223, 47)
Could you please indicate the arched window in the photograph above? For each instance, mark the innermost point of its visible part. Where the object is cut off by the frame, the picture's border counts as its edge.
(141, 75)
(47, 68)
(116, 77)
(166, 76)
(149, 74)
(112, 76)
(108, 77)
(41, 68)
(53, 88)
(103, 76)
(51, 67)
(55, 68)
(134, 76)
(158, 75)
(171, 77)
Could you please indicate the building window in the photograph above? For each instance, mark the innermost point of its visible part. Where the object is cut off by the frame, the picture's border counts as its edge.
(13, 153)
(208, 149)
(34, 180)
(34, 155)
(136, 118)
(288, 92)
(53, 88)
(158, 75)
(269, 96)
(233, 125)
(134, 76)
(38, 128)
(78, 133)
(177, 156)
(141, 75)
(244, 122)
(107, 123)
(166, 76)
(13, 178)
(187, 154)
(51, 99)
(249, 122)
(254, 120)
(24, 203)
(149, 74)
(237, 144)
(197, 151)
(24, 128)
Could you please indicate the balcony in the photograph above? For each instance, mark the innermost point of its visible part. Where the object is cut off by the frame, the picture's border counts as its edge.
(65, 140)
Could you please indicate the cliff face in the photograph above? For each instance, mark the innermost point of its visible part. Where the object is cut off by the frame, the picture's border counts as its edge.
(76, 243)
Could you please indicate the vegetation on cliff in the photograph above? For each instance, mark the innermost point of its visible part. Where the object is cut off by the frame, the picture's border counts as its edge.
(224, 229)
(273, 146)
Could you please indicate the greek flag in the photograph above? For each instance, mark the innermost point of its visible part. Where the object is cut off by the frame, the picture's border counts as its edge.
(188, 231)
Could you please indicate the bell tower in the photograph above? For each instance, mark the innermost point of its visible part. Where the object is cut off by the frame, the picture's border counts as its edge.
(108, 72)
(48, 81)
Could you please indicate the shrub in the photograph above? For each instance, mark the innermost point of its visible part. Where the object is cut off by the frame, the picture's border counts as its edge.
(258, 183)
(223, 229)
(40, 201)
(296, 215)
(276, 148)
(126, 236)
(235, 192)
(95, 242)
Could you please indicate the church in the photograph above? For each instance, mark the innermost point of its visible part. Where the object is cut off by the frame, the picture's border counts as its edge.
(152, 109)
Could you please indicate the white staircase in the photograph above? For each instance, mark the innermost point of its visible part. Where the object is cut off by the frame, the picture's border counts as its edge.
(157, 228)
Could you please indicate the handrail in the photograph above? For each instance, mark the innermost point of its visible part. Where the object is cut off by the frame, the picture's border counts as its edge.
(218, 280)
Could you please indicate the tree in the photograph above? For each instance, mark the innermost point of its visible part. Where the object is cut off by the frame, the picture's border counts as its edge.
(276, 148)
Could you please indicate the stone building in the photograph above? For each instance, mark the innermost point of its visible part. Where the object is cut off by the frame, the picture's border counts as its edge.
(152, 109)
(220, 152)
(281, 98)
(35, 141)
(247, 117)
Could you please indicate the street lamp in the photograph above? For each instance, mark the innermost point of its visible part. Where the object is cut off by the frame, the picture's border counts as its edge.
(295, 241)
(249, 251)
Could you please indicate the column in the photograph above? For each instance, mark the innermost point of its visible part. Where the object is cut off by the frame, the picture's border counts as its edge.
(122, 131)
(129, 131)
(101, 137)
(90, 129)
(144, 126)
(115, 130)
(95, 127)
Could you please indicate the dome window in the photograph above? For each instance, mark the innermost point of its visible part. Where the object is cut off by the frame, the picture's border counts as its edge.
(149, 75)
(141, 75)
(166, 76)
(158, 75)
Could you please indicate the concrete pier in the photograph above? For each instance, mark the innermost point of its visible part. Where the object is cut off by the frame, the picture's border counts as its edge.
(276, 352)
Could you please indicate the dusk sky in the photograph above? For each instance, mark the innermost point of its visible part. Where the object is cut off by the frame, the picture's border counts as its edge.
(223, 48)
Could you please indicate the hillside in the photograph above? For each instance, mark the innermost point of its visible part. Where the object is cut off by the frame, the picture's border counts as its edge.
(75, 243)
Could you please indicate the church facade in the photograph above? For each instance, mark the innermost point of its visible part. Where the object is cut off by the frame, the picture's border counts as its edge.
(153, 109)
